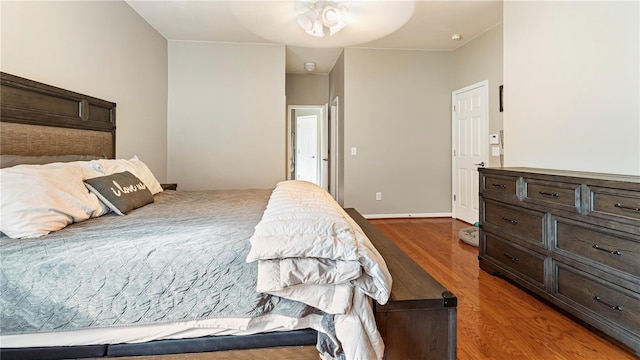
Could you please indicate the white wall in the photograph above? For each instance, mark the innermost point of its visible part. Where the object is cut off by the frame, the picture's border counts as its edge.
(102, 49)
(227, 115)
(397, 113)
(478, 60)
(572, 80)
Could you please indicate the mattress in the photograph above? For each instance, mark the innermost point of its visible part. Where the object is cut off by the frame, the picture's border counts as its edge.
(173, 269)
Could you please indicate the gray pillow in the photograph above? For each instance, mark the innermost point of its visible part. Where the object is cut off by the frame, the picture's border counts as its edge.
(121, 192)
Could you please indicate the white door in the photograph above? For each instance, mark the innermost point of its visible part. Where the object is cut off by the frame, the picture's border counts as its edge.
(470, 129)
(333, 149)
(324, 150)
(308, 145)
(307, 152)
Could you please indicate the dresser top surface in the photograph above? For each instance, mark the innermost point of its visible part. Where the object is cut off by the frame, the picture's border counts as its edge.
(565, 173)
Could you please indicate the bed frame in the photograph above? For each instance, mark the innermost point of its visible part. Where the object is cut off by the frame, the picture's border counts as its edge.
(418, 322)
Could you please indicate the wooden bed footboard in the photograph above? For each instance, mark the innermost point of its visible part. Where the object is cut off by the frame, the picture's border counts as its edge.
(420, 319)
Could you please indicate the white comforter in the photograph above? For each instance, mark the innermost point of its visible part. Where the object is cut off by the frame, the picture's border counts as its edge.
(308, 249)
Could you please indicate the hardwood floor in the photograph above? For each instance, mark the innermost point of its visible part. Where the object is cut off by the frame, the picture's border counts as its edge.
(496, 319)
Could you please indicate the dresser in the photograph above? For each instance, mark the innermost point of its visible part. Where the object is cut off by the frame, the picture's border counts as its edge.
(572, 238)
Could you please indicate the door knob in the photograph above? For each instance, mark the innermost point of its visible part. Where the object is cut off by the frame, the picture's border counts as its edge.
(480, 164)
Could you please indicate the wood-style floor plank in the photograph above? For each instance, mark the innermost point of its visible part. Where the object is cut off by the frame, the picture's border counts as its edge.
(496, 319)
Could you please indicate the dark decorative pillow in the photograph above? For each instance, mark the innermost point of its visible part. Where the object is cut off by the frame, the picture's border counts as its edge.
(121, 192)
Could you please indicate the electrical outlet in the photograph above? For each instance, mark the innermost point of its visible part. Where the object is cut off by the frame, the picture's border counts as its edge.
(378, 196)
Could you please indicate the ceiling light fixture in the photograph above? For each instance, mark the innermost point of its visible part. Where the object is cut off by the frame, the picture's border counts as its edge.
(310, 66)
(318, 16)
(354, 22)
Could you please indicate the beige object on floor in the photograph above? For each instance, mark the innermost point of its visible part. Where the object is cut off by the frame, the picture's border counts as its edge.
(470, 235)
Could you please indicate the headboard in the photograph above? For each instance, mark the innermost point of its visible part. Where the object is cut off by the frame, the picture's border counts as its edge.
(38, 119)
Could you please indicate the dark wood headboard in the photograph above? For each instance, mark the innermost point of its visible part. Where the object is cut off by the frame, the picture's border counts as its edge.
(40, 119)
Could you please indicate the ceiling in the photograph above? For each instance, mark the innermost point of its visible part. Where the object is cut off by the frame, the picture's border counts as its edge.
(429, 26)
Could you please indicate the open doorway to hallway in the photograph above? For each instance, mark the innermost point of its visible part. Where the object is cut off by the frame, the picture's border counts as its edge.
(308, 144)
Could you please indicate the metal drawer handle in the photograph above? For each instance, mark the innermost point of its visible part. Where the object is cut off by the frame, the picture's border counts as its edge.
(514, 259)
(502, 186)
(614, 252)
(618, 205)
(555, 195)
(613, 307)
(510, 220)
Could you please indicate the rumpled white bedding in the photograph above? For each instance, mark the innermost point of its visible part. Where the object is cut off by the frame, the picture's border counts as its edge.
(319, 256)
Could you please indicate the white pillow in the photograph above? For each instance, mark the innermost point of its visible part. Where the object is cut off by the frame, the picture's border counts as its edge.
(39, 199)
(134, 166)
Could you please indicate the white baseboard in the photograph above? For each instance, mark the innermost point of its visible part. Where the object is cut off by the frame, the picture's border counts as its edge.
(400, 216)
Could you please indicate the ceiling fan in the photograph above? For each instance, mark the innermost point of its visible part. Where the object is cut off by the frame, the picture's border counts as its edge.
(323, 24)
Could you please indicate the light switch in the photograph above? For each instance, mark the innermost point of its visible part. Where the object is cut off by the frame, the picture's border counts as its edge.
(494, 139)
(495, 151)
(354, 151)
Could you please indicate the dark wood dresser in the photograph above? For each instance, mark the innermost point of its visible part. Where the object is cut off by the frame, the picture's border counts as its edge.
(572, 238)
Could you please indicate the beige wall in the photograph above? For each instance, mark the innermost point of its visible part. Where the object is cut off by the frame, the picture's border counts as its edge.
(307, 89)
(397, 111)
(478, 60)
(102, 49)
(571, 77)
(227, 115)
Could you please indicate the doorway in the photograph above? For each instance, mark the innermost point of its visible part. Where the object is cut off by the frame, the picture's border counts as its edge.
(470, 139)
(308, 144)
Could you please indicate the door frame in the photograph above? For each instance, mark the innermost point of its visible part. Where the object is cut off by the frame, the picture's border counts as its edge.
(334, 159)
(454, 136)
(323, 140)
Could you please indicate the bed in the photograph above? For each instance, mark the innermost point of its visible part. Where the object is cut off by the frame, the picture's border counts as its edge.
(198, 302)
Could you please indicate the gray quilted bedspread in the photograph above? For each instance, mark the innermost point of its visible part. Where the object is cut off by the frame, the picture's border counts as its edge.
(178, 259)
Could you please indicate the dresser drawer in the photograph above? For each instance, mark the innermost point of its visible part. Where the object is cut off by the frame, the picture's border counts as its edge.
(554, 194)
(594, 243)
(525, 262)
(600, 297)
(499, 187)
(528, 224)
(616, 204)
